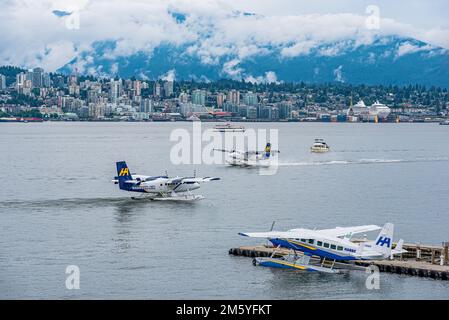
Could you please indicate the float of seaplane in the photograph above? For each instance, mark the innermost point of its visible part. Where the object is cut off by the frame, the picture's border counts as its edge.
(333, 245)
(263, 158)
(159, 188)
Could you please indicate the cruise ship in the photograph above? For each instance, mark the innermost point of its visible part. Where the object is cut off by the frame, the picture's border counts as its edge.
(380, 110)
(368, 113)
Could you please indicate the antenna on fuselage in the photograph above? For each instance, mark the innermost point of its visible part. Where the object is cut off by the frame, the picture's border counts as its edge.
(166, 173)
(272, 225)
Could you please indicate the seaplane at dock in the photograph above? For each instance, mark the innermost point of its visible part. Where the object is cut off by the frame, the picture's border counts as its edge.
(331, 246)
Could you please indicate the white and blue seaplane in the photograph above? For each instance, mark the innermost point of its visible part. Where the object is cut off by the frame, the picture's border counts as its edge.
(333, 245)
(161, 188)
(257, 158)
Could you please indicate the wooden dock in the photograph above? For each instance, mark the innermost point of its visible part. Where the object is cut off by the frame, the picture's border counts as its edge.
(421, 260)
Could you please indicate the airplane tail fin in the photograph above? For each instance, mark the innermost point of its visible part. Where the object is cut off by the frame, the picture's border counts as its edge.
(384, 240)
(267, 151)
(123, 174)
(398, 249)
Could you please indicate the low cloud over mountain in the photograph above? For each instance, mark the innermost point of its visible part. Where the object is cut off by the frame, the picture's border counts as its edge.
(206, 40)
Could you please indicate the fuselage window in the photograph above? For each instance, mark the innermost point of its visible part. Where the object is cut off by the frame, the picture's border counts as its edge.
(303, 240)
(326, 245)
(339, 248)
(311, 241)
(319, 243)
(333, 246)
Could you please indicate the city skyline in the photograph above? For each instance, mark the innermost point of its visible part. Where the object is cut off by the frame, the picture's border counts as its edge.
(55, 96)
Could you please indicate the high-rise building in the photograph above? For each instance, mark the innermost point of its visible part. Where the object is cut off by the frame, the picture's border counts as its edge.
(285, 110)
(115, 90)
(250, 98)
(183, 97)
(251, 112)
(199, 97)
(157, 89)
(37, 77)
(23, 83)
(2, 82)
(20, 80)
(46, 81)
(233, 97)
(137, 86)
(59, 82)
(274, 113)
(220, 100)
(73, 80)
(146, 105)
(168, 89)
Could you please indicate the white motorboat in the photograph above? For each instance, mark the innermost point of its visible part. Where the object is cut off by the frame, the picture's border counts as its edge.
(319, 146)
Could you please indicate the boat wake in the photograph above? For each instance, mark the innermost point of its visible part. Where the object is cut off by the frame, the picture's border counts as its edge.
(361, 161)
(65, 203)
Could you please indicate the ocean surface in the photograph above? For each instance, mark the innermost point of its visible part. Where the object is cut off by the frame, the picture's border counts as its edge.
(58, 207)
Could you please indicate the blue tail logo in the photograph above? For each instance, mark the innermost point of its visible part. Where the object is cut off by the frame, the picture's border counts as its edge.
(382, 241)
(123, 175)
(123, 172)
(268, 150)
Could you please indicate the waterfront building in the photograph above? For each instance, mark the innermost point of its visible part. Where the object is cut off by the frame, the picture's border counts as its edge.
(199, 97)
(285, 109)
(233, 97)
(96, 111)
(250, 98)
(187, 109)
(220, 100)
(251, 112)
(146, 106)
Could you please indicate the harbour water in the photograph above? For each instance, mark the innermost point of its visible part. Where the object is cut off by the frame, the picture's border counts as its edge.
(58, 207)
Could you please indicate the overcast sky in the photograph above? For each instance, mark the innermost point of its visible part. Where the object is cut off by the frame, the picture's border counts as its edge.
(32, 34)
(420, 13)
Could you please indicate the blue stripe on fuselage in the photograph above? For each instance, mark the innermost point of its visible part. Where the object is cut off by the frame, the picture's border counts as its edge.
(317, 252)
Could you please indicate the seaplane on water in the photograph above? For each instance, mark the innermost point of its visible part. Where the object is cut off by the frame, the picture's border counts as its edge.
(332, 244)
(250, 158)
(160, 188)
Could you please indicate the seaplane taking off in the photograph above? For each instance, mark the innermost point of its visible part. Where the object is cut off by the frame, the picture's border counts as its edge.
(160, 188)
(250, 158)
(332, 244)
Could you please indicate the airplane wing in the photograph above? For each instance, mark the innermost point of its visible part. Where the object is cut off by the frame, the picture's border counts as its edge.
(193, 180)
(270, 234)
(347, 232)
(227, 151)
(115, 181)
